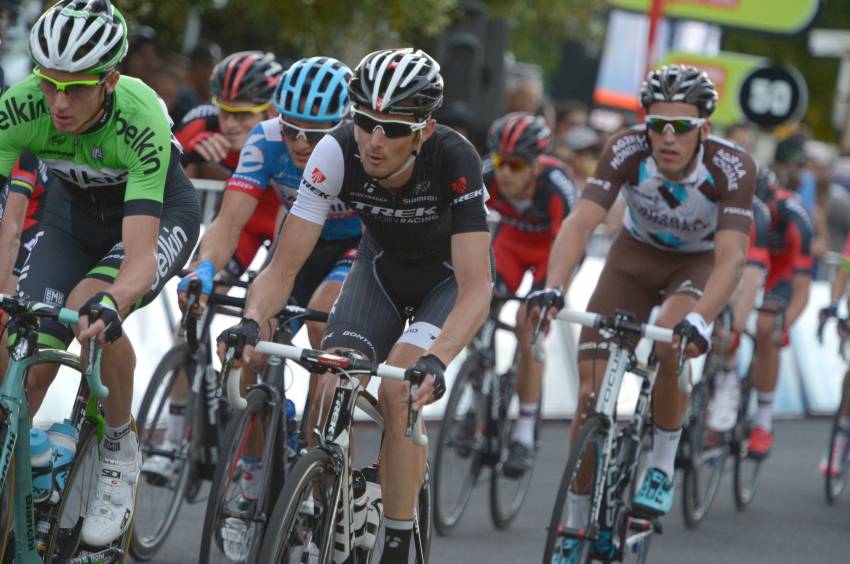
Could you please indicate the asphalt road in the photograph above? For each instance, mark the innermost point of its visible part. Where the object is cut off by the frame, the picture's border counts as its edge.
(788, 522)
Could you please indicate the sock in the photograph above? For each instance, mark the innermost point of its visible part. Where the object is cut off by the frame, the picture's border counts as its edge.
(727, 378)
(397, 541)
(176, 421)
(663, 453)
(578, 509)
(524, 428)
(120, 443)
(251, 483)
(844, 423)
(764, 413)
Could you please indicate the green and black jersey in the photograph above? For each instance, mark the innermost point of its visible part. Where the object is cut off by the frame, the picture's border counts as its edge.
(119, 165)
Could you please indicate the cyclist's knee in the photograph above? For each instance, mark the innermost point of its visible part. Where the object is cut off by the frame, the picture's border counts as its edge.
(315, 332)
(392, 396)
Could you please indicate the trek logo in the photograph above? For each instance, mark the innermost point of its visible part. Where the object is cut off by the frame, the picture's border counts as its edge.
(314, 190)
(405, 215)
(460, 185)
(140, 142)
(318, 176)
(13, 113)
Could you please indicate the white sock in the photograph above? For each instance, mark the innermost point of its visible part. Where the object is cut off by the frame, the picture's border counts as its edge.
(176, 421)
(764, 413)
(524, 428)
(663, 453)
(578, 509)
(727, 378)
(120, 443)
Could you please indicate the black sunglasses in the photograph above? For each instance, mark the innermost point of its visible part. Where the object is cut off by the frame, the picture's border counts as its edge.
(392, 129)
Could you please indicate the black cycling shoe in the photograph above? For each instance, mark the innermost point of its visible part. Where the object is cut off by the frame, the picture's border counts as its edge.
(464, 438)
(520, 460)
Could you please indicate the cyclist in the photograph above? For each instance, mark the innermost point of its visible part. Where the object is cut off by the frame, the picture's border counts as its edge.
(786, 292)
(533, 193)
(120, 222)
(683, 246)
(423, 258)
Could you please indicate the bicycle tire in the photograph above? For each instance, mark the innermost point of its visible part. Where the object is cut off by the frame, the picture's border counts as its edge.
(424, 516)
(7, 514)
(312, 465)
(747, 470)
(834, 485)
(144, 547)
(446, 518)
(259, 410)
(704, 469)
(590, 441)
(502, 510)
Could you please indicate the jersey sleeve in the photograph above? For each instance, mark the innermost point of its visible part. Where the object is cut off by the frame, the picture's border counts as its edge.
(620, 155)
(321, 182)
(24, 177)
(190, 133)
(799, 235)
(757, 253)
(18, 113)
(735, 175)
(147, 155)
(252, 173)
(462, 175)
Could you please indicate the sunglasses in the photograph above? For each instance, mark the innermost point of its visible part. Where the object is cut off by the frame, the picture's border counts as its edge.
(392, 129)
(312, 136)
(680, 125)
(515, 165)
(73, 89)
(258, 109)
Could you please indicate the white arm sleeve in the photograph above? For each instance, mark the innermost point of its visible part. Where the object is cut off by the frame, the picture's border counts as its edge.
(321, 181)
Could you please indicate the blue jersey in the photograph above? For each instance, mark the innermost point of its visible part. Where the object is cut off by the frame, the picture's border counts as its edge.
(265, 163)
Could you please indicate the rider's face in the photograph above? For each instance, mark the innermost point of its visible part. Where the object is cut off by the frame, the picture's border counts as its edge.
(673, 151)
(74, 107)
(382, 155)
(236, 125)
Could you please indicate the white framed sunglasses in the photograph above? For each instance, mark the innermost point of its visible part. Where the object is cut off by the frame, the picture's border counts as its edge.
(679, 124)
(311, 135)
(393, 129)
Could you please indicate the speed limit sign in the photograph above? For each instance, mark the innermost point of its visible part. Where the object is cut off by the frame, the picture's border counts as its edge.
(772, 95)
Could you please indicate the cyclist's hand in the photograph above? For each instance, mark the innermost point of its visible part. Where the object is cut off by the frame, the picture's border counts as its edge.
(549, 301)
(428, 373)
(243, 336)
(205, 273)
(823, 316)
(99, 318)
(213, 148)
(694, 328)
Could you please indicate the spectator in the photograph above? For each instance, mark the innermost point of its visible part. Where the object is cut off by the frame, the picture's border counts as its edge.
(585, 145)
(202, 60)
(142, 61)
(742, 134)
(569, 114)
(524, 89)
(790, 167)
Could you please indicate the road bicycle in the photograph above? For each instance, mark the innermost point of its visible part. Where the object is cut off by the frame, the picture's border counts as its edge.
(838, 454)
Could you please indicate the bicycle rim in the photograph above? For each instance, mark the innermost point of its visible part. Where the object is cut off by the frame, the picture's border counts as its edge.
(457, 457)
(704, 470)
(586, 450)
(747, 470)
(240, 495)
(836, 478)
(161, 496)
(301, 526)
(7, 514)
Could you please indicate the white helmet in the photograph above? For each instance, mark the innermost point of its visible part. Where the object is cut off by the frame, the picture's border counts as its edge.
(79, 36)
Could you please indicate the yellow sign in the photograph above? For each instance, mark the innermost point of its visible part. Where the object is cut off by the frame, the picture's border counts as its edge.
(775, 16)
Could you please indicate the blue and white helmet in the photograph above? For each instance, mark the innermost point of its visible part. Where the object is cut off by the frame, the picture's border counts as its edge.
(314, 89)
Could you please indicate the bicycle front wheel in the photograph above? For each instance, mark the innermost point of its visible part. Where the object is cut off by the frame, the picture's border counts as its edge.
(167, 466)
(461, 438)
(7, 515)
(838, 469)
(301, 526)
(747, 469)
(584, 466)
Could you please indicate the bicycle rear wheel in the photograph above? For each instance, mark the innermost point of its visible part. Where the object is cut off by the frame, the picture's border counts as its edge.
(703, 470)
(838, 469)
(301, 527)
(747, 469)
(460, 440)
(241, 494)
(587, 451)
(162, 492)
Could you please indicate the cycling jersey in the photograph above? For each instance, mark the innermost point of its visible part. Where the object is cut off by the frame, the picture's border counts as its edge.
(757, 253)
(789, 239)
(197, 126)
(680, 216)
(265, 162)
(444, 196)
(526, 229)
(29, 176)
(118, 166)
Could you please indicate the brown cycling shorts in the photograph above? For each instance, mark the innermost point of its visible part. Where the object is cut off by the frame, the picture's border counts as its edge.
(636, 277)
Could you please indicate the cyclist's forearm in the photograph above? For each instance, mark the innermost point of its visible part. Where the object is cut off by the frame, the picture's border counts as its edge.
(465, 319)
(724, 278)
(745, 295)
(134, 280)
(219, 243)
(268, 294)
(10, 236)
(567, 250)
(799, 298)
(839, 283)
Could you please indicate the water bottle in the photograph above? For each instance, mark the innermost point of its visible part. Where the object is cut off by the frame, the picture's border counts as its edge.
(292, 437)
(63, 438)
(41, 459)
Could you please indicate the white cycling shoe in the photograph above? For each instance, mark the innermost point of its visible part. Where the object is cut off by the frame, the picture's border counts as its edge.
(161, 466)
(111, 510)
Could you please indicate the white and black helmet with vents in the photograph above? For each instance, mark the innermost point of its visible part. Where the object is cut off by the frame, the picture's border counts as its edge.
(79, 36)
(398, 81)
(679, 83)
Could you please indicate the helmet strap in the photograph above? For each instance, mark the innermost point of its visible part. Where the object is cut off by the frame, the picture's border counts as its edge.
(408, 163)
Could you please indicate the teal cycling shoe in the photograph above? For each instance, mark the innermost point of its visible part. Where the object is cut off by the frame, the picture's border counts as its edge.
(655, 496)
(568, 553)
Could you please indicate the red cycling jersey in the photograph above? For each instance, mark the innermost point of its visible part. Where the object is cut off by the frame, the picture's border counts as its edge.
(789, 238)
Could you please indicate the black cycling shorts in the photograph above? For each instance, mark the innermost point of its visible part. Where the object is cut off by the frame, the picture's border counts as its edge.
(381, 294)
(75, 243)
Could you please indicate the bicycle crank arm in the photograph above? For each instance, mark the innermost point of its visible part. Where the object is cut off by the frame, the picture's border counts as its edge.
(97, 557)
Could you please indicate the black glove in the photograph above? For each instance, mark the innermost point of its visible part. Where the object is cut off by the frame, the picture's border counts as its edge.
(544, 299)
(246, 332)
(103, 306)
(695, 330)
(829, 311)
(428, 364)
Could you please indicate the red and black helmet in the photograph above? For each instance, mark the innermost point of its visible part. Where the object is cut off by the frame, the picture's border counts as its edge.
(246, 76)
(519, 135)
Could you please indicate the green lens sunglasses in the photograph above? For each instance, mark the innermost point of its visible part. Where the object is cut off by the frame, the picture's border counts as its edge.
(73, 86)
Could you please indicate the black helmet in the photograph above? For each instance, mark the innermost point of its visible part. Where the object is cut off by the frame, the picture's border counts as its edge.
(679, 83)
(246, 76)
(519, 134)
(398, 81)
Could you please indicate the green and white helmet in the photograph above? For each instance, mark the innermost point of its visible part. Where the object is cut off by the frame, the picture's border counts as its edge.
(79, 36)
